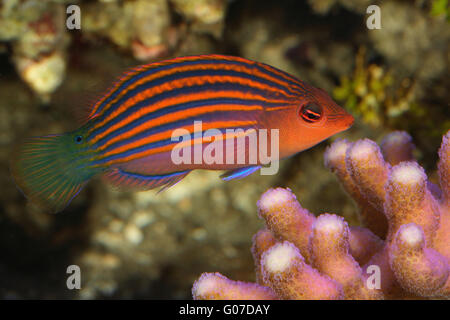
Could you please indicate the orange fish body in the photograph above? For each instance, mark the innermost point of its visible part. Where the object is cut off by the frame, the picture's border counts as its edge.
(162, 120)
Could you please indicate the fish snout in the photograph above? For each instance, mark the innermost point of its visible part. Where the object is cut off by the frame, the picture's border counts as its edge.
(348, 120)
(342, 120)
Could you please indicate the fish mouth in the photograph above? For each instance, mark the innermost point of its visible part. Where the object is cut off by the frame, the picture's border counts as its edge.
(349, 120)
(342, 121)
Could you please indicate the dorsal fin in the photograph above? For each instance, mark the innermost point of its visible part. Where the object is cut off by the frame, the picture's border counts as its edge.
(94, 108)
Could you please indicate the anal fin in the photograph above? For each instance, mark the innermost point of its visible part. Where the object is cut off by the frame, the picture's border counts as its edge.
(239, 173)
(138, 181)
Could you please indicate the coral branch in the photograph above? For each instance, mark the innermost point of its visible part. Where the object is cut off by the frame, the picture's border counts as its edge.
(286, 272)
(368, 170)
(214, 286)
(444, 168)
(403, 251)
(286, 218)
(419, 269)
(397, 147)
(409, 200)
(262, 241)
(363, 244)
(329, 245)
(335, 160)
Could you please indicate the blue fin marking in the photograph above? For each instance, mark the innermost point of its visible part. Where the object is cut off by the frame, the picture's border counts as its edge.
(239, 173)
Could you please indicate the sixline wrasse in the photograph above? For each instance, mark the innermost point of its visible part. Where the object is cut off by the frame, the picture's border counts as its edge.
(127, 136)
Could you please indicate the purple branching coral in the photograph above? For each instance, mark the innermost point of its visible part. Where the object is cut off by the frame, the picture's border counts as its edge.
(403, 250)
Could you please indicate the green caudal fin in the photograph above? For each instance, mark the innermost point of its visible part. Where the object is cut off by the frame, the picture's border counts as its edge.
(51, 170)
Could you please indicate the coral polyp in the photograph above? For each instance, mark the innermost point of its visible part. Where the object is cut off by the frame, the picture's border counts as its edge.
(401, 251)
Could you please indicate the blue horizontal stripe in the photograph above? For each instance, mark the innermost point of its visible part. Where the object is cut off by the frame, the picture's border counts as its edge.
(172, 93)
(169, 66)
(205, 118)
(151, 70)
(152, 177)
(187, 74)
(153, 145)
(182, 106)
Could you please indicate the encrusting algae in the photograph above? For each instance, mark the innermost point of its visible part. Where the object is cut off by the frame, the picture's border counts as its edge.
(405, 238)
(371, 94)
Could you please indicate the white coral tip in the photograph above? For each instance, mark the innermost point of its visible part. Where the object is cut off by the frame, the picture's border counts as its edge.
(408, 173)
(362, 149)
(329, 223)
(275, 197)
(280, 257)
(336, 151)
(207, 283)
(411, 234)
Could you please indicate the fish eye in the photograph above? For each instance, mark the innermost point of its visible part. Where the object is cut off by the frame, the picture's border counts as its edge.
(311, 112)
(78, 139)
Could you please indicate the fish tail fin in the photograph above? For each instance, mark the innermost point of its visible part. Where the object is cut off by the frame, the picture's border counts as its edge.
(48, 171)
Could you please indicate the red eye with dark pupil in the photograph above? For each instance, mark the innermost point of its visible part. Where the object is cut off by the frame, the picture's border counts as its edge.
(311, 112)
